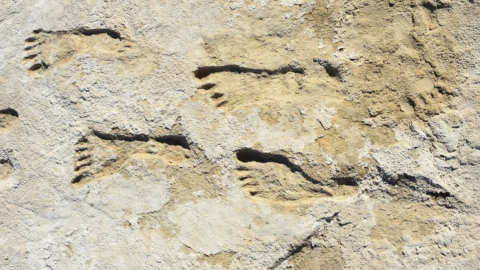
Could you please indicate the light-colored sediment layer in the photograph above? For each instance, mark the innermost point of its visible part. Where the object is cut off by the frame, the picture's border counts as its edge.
(240, 134)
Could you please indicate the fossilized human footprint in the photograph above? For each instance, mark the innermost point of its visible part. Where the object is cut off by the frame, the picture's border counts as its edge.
(232, 87)
(8, 118)
(99, 155)
(46, 49)
(275, 178)
(6, 169)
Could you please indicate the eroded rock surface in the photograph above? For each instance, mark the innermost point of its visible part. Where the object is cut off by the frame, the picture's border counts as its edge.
(240, 134)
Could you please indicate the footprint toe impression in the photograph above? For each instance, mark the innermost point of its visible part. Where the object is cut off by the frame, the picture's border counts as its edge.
(33, 52)
(83, 161)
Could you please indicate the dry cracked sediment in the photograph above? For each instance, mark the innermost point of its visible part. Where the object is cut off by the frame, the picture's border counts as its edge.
(240, 134)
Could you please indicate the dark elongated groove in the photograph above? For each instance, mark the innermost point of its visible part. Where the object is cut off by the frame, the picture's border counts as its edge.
(84, 31)
(121, 137)
(299, 247)
(437, 195)
(85, 157)
(90, 32)
(31, 56)
(222, 103)
(203, 72)
(31, 39)
(81, 176)
(86, 164)
(250, 155)
(9, 111)
(176, 140)
(217, 95)
(36, 66)
(345, 181)
(295, 250)
(207, 86)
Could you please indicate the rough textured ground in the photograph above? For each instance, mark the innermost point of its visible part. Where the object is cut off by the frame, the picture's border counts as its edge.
(240, 134)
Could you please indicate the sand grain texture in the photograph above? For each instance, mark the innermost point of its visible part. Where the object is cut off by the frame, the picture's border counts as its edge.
(240, 134)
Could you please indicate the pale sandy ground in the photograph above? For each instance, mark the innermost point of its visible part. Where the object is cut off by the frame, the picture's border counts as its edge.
(240, 134)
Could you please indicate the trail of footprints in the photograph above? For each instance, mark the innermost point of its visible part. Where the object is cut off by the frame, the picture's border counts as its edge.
(262, 175)
(268, 176)
(274, 178)
(271, 177)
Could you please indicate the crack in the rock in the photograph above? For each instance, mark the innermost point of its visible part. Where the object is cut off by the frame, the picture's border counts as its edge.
(295, 250)
(304, 243)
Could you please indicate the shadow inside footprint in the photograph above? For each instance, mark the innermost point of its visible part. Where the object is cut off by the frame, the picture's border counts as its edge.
(250, 155)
